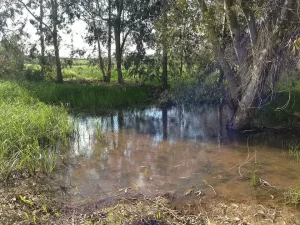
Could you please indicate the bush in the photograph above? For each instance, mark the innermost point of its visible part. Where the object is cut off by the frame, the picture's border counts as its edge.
(33, 73)
(69, 74)
(200, 89)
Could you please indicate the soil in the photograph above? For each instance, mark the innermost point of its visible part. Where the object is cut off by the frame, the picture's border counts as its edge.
(40, 201)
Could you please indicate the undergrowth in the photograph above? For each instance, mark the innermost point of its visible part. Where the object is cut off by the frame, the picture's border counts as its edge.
(28, 131)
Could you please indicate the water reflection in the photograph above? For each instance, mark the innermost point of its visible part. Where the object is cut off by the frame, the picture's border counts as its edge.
(168, 149)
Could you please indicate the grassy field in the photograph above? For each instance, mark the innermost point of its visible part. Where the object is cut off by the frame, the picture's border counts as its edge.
(28, 129)
(85, 71)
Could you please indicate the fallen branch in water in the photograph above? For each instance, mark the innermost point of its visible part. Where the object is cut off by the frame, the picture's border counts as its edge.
(210, 187)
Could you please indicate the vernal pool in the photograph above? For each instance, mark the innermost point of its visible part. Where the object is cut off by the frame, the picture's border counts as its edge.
(172, 150)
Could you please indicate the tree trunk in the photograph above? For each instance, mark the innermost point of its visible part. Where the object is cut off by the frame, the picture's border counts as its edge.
(101, 63)
(237, 37)
(246, 7)
(117, 28)
(248, 104)
(59, 77)
(108, 75)
(165, 67)
(165, 53)
(42, 39)
(245, 92)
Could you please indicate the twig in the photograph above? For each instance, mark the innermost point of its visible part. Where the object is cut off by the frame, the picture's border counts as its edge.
(210, 187)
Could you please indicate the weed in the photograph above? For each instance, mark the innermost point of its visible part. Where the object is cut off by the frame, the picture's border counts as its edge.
(293, 196)
(294, 152)
(98, 131)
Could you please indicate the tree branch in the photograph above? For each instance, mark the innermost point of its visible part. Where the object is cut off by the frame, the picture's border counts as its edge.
(34, 16)
(124, 40)
(245, 5)
(236, 33)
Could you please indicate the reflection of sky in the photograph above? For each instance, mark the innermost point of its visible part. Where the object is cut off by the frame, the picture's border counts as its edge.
(193, 124)
(135, 151)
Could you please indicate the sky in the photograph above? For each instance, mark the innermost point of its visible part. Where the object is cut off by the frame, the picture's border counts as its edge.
(78, 31)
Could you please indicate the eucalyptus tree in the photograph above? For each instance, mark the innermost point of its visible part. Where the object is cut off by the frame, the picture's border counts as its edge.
(249, 39)
(52, 16)
(99, 29)
(12, 34)
(38, 22)
(130, 19)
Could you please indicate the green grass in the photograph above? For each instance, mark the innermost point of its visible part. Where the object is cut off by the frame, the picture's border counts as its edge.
(28, 131)
(89, 96)
(292, 196)
(82, 71)
(294, 152)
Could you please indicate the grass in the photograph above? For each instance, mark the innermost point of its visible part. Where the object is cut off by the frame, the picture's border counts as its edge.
(85, 71)
(28, 131)
(294, 152)
(89, 96)
(292, 196)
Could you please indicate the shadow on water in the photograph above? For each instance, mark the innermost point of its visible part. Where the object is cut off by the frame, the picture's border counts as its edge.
(159, 150)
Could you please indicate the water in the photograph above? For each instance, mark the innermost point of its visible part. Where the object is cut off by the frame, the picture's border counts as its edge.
(156, 151)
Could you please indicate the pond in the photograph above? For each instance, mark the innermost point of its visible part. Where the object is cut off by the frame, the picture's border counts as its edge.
(172, 150)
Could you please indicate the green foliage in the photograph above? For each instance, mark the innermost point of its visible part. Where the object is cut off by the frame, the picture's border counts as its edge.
(28, 128)
(201, 88)
(11, 57)
(142, 68)
(285, 99)
(33, 73)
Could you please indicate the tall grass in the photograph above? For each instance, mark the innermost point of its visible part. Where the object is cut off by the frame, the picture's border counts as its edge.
(28, 130)
(86, 71)
(89, 96)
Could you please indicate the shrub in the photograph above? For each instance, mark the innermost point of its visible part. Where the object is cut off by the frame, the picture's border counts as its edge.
(33, 73)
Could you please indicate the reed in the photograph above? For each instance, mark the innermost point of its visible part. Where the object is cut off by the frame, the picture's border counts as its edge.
(89, 96)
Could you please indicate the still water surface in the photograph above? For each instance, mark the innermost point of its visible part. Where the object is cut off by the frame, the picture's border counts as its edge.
(155, 151)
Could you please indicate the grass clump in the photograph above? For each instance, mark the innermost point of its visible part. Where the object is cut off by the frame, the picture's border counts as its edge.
(90, 96)
(294, 152)
(292, 196)
(28, 131)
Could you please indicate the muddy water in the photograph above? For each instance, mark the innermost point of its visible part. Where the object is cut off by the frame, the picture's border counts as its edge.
(155, 151)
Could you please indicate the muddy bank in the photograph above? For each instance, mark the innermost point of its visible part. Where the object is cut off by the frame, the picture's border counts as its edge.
(33, 201)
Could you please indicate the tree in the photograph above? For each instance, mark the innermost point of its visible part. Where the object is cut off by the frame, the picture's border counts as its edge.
(129, 18)
(99, 30)
(258, 39)
(51, 18)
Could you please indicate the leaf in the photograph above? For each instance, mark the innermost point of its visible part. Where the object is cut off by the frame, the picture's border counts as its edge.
(23, 199)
